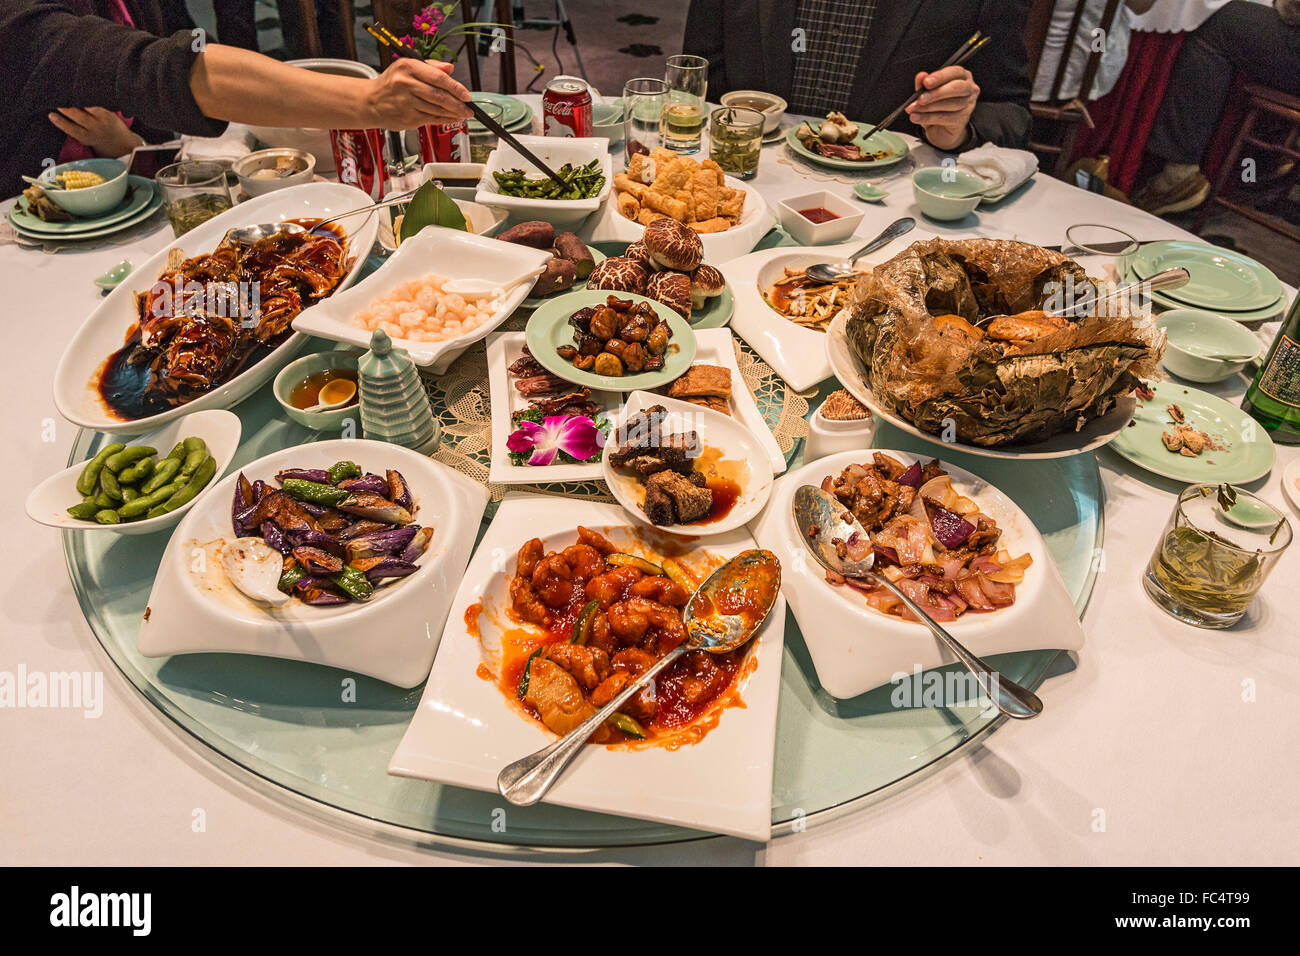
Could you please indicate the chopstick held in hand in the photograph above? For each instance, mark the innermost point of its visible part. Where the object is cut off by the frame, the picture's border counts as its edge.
(962, 54)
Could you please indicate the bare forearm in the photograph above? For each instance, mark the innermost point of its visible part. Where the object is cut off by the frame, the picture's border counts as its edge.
(239, 85)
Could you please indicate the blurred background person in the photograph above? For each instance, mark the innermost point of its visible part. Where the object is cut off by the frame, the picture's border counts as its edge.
(865, 57)
(1090, 31)
(1259, 42)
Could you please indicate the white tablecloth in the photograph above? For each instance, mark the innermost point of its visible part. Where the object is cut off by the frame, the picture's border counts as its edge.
(1148, 751)
(1179, 16)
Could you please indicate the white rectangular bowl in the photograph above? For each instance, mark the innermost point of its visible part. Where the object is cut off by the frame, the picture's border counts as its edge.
(435, 250)
(555, 151)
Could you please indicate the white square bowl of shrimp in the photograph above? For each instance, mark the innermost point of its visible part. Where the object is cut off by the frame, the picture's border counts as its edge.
(413, 296)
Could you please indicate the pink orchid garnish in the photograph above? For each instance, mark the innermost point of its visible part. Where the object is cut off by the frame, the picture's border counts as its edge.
(575, 435)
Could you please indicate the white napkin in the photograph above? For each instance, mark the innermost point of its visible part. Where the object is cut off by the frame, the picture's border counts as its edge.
(235, 143)
(1003, 169)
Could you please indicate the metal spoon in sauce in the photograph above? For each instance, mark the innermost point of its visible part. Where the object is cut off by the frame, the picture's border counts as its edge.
(822, 520)
(722, 615)
(335, 393)
(833, 272)
(247, 235)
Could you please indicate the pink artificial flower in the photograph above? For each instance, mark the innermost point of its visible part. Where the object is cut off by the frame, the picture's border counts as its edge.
(575, 435)
(408, 40)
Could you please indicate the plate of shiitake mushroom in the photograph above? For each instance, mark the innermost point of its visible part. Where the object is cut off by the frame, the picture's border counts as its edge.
(611, 342)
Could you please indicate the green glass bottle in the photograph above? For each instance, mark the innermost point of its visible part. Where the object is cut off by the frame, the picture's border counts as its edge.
(1273, 399)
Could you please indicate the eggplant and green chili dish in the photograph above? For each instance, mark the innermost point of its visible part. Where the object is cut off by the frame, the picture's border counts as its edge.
(325, 536)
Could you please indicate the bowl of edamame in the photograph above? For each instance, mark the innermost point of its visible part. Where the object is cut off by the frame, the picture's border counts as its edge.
(144, 486)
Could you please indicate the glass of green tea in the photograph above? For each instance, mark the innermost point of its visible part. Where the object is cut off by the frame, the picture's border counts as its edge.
(193, 192)
(1216, 550)
(735, 140)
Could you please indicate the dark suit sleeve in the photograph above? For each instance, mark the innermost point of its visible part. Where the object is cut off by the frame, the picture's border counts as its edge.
(703, 37)
(1001, 69)
(51, 57)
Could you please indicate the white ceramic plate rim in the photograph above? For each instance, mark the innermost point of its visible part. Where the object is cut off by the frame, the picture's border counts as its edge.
(432, 250)
(716, 430)
(1099, 431)
(74, 379)
(219, 429)
(464, 731)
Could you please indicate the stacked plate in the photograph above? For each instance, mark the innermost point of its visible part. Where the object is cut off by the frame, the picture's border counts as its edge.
(516, 116)
(1222, 281)
(142, 199)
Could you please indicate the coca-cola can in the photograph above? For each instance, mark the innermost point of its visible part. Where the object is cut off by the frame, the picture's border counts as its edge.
(359, 160)
(444, 142)
(566, 107)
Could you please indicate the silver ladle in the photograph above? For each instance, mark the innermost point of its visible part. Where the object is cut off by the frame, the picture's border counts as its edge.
(834, 271)
(822, 520)
(247, 235)
(757, 573)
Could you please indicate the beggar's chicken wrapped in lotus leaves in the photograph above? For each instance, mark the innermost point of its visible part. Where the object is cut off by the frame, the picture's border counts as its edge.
(1022, 379)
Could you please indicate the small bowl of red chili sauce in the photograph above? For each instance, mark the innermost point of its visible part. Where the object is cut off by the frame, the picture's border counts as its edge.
(819, 218)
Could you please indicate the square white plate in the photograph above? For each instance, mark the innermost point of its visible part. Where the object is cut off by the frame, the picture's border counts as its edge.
(465, 731)
(194, 609)
(503, 348)
(855, 648)
(434, 250)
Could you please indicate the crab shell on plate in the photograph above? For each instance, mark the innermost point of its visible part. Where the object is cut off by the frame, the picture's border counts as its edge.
(855, 648)
(194, 608)
(76, 380)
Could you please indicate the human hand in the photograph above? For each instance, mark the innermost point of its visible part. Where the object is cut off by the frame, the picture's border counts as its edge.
(944, 109)
(103, 132)
(412, 92)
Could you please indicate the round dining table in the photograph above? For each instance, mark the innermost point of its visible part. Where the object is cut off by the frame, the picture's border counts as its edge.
(1160, 743)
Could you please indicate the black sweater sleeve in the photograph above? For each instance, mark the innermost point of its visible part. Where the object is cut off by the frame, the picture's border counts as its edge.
(1002, 114)
(51, 57)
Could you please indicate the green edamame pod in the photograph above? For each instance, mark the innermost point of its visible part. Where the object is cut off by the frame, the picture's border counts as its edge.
(178, 451)
(107, 516)
(84, 511)
(128, 456)
(163, 474)
(155, 512)
(89, 476)
(136, 473)
(192, 487)
(103, 500)
(108, 481)
(192, 461)
(145, 502)
(129, 494)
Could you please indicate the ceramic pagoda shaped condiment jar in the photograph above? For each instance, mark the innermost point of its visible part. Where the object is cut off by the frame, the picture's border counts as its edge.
(394, 406)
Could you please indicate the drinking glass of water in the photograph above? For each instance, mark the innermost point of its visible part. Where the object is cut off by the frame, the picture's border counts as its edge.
(682, 121)
(644, 99)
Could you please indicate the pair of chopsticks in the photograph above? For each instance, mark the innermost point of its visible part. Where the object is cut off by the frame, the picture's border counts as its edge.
(385, 36)
(964, 53)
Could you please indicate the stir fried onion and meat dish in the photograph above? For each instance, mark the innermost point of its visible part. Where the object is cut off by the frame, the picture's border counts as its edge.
(604, 617)
(934, 543)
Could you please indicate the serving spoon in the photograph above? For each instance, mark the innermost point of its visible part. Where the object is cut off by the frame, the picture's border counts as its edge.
(340, 392)
(833, 271)
(753, 577)
(247, 235)
(1168, 279)
(823, 520)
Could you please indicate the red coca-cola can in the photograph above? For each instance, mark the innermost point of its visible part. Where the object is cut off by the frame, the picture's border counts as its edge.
(566, 107)
(444, 142)
(359, 159)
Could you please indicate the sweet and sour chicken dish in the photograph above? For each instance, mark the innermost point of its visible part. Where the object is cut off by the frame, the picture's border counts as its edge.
(601, 617)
